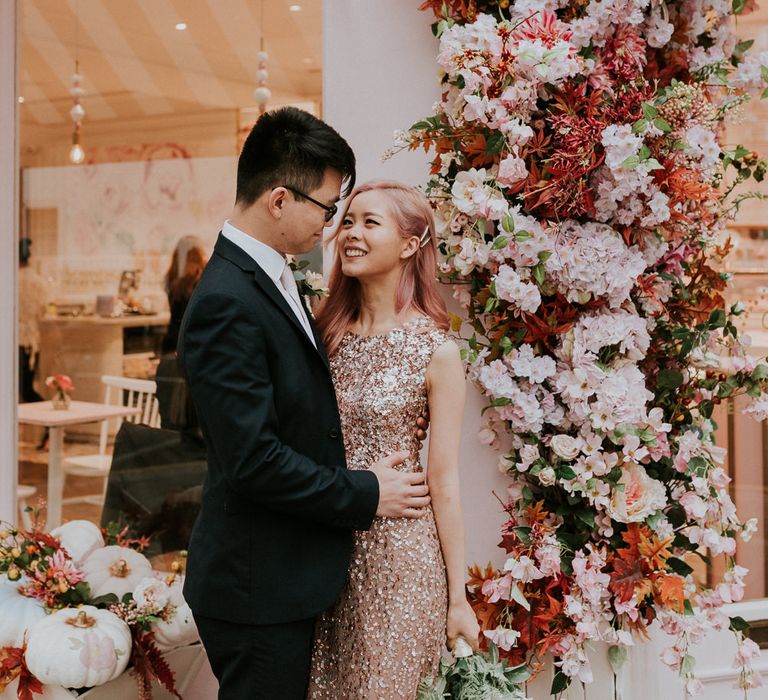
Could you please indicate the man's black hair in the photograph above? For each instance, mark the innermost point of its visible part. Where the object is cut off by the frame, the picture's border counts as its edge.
(289, 146)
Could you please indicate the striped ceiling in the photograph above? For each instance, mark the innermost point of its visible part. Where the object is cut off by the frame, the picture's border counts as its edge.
(136, 64)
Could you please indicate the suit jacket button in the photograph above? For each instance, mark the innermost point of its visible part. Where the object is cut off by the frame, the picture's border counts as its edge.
(333, 433)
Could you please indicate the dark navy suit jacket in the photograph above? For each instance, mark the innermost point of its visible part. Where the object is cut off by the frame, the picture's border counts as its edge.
(273, 538)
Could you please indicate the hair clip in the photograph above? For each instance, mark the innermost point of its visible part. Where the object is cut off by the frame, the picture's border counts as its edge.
(424, 237)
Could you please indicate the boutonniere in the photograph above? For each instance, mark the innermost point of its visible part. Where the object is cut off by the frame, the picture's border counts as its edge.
(309, 284)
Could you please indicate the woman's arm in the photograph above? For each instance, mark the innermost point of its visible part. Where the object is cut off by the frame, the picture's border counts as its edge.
(446, 390)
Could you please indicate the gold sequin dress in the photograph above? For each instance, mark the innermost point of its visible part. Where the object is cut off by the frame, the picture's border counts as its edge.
(387, 629)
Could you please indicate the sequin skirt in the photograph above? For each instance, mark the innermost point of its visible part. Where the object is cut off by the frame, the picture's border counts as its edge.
(387, 630)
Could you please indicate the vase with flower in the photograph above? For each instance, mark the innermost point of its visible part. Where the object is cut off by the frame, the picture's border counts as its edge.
(62, 386)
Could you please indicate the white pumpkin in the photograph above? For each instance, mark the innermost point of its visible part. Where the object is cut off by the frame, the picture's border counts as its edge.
(78, 647)
(17, 613)
(115, 570)
(180, 630)
(80, 538)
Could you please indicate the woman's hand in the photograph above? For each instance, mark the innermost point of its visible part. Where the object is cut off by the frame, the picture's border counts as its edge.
(462, 622)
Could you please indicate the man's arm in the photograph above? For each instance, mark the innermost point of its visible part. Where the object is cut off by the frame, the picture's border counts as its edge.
(225, 363)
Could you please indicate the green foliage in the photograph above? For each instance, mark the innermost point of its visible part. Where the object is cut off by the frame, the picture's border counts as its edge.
(481, 676)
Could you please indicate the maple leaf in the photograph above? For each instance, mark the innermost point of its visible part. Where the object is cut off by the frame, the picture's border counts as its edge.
(536, 513)
(669, 589)
(627, 575)
(477, 577)
(10, 665)
(150, 664)
(655, 551)
(487, 614)
(28, 684)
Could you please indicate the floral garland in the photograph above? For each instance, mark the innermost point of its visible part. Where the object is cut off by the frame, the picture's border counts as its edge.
(583, 192)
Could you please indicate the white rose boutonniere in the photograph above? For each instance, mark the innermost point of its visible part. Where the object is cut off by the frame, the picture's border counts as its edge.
(309, 284)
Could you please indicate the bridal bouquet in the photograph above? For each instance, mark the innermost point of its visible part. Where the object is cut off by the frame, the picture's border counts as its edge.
(583, 195)
(476, 677)
(77, 612)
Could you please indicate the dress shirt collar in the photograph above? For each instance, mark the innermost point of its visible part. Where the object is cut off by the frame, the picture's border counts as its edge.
(268, 259)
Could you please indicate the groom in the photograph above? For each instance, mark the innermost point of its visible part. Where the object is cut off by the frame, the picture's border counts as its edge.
(271, 545)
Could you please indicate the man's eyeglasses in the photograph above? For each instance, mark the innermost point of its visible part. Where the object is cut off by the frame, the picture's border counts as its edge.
(330, 212)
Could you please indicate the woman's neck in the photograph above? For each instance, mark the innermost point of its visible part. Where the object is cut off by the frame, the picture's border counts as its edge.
(377, 305)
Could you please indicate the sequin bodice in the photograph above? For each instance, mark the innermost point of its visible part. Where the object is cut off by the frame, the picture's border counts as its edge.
(388, 627)
(380, 385)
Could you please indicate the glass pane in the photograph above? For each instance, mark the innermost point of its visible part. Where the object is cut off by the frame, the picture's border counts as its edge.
(113, 245)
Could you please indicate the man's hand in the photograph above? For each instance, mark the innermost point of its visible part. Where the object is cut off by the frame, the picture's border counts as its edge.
(422, 423)
(401, 494)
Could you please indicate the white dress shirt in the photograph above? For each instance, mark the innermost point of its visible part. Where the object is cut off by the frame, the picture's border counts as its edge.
(273, 264)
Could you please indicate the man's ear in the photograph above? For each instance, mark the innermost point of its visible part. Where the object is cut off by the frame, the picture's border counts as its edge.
(410, 246)
(276, 200)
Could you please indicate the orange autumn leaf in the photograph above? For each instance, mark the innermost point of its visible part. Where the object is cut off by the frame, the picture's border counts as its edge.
(632, 537)
(477, 577)
(669, 591)
(536, 513)
(10, 665)
(487, 614)
(655, 551)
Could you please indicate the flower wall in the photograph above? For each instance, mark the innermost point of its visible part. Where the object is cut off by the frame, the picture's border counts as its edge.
(584, 192)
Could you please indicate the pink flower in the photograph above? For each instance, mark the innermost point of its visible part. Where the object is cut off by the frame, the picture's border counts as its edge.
(98, 652)
(747, 651)
(640, 497)
(523, 569)
(511, 170)
(498, 589)
(503, 637)
(694, 506)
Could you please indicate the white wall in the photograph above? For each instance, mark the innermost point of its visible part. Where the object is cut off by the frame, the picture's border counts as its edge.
(8, 258)
(380, 75)
(110, 217)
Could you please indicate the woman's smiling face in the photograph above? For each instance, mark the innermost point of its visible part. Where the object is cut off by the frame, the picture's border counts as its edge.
(369, 241)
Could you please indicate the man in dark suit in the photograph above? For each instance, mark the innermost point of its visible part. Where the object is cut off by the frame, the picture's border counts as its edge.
(271, 545)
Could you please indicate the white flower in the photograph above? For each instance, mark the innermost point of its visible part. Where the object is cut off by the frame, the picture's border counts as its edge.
(152, 595)
(469, 189)
(503, 637)
(750, 528)
(566, 446)
(511, 288)
(547, 476)
(315, 282)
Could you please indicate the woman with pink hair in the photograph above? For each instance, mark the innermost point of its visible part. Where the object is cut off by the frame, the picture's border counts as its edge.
(385, 327)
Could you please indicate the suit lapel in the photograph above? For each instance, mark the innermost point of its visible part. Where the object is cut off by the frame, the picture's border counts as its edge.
(318, 340)
(239, 257)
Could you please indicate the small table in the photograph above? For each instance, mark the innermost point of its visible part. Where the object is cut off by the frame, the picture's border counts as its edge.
(43, 413)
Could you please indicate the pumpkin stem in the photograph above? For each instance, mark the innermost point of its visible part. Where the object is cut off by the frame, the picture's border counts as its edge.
(82, 621)
(120, 569)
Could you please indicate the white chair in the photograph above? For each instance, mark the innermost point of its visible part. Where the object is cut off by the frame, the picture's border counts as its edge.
(23, 493)
(125, 391)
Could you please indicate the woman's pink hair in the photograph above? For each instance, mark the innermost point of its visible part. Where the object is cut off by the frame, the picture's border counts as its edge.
(418, 277)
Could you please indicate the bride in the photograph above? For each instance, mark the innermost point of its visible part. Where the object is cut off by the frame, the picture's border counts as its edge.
(384, 325)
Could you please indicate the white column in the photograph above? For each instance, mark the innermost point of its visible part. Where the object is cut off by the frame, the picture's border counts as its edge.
(9, 164)
(380, 74)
